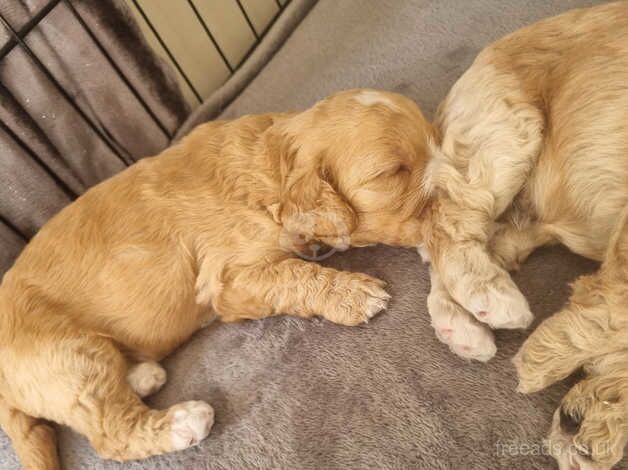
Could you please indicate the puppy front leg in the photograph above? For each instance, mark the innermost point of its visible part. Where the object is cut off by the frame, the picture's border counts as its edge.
(593, 324)
(567, 340)
(456, 327)
(301, 288)
(511, 245)
(456, 239)
(492, 136)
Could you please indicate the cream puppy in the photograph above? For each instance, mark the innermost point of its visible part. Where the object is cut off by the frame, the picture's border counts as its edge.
(533, 150)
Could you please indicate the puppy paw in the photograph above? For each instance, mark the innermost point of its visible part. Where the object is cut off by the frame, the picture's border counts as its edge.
(459, 330)
(355, 298)
(534, 375)
(497, 302)
(146, 378)
(528, 381)
(191, 423)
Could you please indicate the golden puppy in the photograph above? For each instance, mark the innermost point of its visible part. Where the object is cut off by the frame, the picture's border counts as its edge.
(532, 148)
(210, 227)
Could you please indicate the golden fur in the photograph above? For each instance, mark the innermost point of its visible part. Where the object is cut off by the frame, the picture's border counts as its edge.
(532, 149)
(209, 228)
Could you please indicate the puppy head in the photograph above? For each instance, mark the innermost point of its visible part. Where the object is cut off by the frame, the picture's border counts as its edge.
(352, 170)
(589, 429)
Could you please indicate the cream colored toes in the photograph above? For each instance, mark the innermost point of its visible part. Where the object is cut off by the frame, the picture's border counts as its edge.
(493, 298)
(146, 378)
(355, 298)
(191, 423)
(455, 327)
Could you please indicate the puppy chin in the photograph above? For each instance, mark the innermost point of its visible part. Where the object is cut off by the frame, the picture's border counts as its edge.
(305, 247)
(342, 243)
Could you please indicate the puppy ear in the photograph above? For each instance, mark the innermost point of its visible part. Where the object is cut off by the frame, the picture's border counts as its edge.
(311, 207)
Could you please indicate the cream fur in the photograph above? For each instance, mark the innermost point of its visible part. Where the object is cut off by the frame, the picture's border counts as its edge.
(533, 149)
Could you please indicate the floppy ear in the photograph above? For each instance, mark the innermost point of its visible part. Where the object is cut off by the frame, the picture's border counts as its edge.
(310, 207)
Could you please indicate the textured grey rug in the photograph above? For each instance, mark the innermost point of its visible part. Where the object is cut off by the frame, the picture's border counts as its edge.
(292, 394)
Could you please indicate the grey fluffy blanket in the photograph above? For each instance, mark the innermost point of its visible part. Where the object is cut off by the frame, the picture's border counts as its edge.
(298, 394)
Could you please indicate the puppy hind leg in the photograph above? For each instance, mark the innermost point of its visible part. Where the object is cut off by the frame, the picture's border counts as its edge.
(33, 439)
(81, 381)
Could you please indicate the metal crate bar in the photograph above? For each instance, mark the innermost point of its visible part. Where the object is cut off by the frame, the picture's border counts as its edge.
(261, 37)
(248, 20)
(210, 36)
(28, 26)
(6, 93)
(64, 187)
(170, 55)
(115, 66)
(104, 135)
(4, 221)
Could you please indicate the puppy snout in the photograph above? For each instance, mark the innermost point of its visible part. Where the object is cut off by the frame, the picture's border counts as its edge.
(568, 423)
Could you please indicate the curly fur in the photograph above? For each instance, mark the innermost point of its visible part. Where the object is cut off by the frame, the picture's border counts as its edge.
(531, 149)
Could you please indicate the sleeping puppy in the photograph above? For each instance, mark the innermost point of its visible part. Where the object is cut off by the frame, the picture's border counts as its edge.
(533, 149)
(212, 227)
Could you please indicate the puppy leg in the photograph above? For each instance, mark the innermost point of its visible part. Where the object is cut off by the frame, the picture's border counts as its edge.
(81, 381)
(297, 287)
(456, 327)
(33, 439)
(560, 345)
(583, 330)
(146, 378)
(511, 245)
(471, 277)
(491, 140)
(593, 324)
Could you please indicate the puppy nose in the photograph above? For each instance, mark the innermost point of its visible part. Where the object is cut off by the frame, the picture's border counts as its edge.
(568, 423)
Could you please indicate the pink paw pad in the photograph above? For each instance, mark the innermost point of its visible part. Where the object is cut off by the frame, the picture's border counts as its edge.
(482, 314)
(445, 332)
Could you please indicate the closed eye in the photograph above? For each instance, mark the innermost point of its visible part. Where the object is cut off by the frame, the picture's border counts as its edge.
(398, 170)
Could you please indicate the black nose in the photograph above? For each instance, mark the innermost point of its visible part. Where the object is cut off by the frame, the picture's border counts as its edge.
(569, 423)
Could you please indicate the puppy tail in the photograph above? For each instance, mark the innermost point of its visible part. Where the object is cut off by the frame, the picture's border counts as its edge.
(33, 439)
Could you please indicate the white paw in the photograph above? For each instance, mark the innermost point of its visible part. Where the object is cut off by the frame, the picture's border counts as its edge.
(376, 303)
(191, 423)
(493, 299)
(146, 378)
(459, 330)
